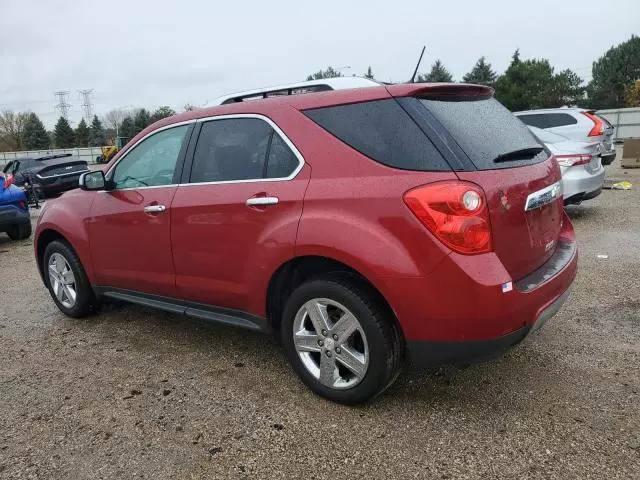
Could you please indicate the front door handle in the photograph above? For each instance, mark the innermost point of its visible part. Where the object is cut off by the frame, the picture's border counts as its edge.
(261, 201)
(154, 208)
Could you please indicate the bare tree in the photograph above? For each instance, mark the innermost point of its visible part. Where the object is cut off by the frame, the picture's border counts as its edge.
(188, 107)
(12, 129)
(113, 119)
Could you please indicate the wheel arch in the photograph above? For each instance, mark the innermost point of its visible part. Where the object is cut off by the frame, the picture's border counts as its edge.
(48, 234)
(44, 238)
(297, 270)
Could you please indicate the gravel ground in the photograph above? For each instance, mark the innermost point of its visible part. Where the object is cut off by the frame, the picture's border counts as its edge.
(138, 393)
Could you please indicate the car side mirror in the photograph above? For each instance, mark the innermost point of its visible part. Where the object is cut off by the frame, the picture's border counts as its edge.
(93, 181)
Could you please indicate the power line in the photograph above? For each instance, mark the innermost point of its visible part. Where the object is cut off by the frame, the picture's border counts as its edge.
(62, 106)
(87, 106)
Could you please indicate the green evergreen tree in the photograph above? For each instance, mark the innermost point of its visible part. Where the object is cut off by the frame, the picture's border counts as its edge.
(34, 136)
(369, 73)
(162, 112)
(96, 133)
(481, 73)
(82, 134)
(612, 73)
(437, 74)
(63, 134)
(530, 84)
(127, 128)
(330, 72)
(141, 120)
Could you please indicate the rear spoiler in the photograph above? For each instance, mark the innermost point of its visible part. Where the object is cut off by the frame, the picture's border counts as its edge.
(439, 90)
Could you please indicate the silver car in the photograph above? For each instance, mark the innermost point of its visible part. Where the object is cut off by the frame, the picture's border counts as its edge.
(582, 170)
(576, 124)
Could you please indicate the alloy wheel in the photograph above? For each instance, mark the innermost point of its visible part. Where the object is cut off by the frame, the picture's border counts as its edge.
(62, 280)
(331, 343)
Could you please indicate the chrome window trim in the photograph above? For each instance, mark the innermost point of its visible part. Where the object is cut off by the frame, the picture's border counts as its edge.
(272, 124)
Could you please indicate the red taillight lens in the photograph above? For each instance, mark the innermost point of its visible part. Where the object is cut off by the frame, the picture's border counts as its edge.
(597, 125)
(455, 212)
(22, 204)
(572, 160)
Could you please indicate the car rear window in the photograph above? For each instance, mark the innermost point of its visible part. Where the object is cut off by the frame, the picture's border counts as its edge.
(485, 130)
(559, 119)
(382, 131)
(538, 120)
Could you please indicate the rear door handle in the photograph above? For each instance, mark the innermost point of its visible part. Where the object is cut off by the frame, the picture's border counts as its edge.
(154, 208)
(261, 201)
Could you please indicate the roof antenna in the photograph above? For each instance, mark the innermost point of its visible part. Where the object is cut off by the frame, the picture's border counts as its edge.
(413, 77)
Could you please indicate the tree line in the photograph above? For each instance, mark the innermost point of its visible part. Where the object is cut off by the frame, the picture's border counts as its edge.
(525, 84)
(528, 84)
(25, 130)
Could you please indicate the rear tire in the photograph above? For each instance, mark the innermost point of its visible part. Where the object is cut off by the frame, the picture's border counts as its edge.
(348, 370)
(67, 281)
(20, 231)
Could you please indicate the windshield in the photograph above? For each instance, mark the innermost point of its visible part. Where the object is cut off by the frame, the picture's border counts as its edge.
(486, 131)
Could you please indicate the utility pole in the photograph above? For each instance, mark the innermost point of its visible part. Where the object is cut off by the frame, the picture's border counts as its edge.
(62, 105)
(87, 106)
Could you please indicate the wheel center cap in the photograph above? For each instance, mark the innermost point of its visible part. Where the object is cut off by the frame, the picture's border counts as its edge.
(328, 343)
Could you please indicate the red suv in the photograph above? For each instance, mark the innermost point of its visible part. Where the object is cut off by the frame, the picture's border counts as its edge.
(360, 224)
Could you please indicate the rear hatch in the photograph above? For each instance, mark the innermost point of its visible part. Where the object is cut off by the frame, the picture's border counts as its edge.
(493, 149)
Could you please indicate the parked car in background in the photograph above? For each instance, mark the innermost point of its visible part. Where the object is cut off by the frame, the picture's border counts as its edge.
(51, 174)
(15, 220)
(580, 163)
(576, 124)
(432, 224)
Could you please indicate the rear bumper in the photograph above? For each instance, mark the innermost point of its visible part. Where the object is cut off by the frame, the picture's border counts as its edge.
(427, 354)
(578, 184)
(59, 184)
(470, 308)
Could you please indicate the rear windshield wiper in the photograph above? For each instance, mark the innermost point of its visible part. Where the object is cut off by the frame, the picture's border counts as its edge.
(522, 154)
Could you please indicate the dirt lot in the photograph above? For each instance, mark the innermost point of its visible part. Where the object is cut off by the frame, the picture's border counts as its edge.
(138, 393)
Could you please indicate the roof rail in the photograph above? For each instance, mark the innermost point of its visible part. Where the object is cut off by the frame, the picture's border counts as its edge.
(311, 86)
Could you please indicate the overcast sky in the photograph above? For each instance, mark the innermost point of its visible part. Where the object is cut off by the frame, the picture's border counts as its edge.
(149, 53)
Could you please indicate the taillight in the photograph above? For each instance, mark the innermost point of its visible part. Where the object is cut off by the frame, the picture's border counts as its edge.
(455, 212)
(597, 125)
(22, 204)
(8, 181)
(572, 160)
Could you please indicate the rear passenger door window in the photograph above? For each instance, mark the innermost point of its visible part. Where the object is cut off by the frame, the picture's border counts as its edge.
(240, 149)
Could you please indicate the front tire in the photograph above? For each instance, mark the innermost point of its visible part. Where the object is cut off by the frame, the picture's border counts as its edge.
(341, 340)
(67, 281)
(20, 231)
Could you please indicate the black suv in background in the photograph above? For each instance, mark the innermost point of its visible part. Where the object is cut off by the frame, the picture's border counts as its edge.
(50, 174)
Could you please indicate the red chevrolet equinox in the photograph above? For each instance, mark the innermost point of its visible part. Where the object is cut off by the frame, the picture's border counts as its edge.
(363, 226)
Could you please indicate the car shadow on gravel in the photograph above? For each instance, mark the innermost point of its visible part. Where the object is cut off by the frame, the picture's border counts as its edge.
(582, 212)
(147, 333)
